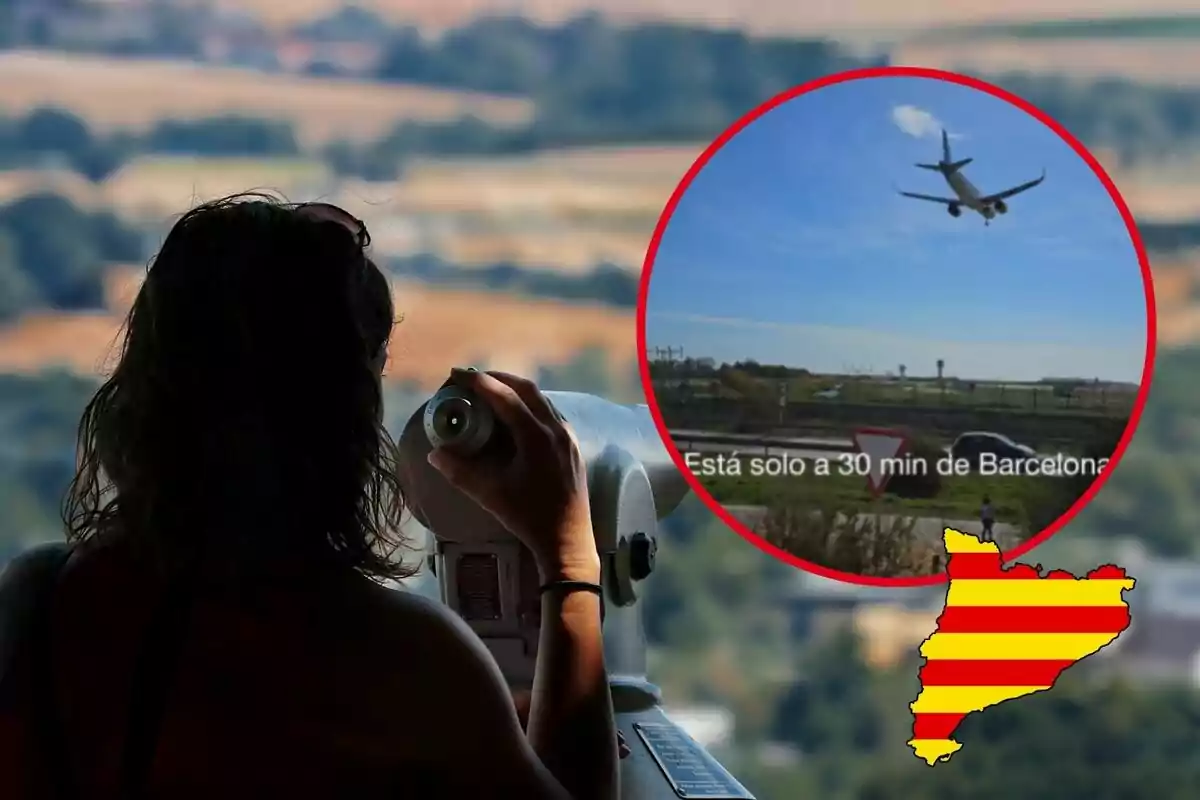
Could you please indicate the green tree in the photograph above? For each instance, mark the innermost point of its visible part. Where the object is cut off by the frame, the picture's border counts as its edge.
(588, 371)
(53, 130)
(829, 709)
(62, 251)
(223, 136)
(1076, 741)
(18, 293)
(1153, 489)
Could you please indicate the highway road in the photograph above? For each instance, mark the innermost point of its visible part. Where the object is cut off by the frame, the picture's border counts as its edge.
(929, 528)
(809, 449)
(816, 443)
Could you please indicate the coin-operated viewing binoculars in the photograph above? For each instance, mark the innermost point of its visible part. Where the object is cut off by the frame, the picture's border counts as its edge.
(489, 578)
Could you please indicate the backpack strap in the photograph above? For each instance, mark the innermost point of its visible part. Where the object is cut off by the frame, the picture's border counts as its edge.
(26, 605)
(150, 690)
(26, 615)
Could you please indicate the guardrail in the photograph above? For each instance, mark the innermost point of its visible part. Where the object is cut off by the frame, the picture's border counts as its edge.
(683, 439)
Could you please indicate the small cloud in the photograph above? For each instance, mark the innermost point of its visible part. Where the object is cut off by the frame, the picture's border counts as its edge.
(918, 123)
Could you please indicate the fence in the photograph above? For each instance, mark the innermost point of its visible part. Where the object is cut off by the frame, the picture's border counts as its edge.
(1107, 399)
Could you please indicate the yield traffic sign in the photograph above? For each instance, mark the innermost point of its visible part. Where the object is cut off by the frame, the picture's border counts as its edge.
(879, 456)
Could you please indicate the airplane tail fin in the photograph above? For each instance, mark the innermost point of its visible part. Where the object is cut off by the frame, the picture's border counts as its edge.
(945, 146)
(934, 167)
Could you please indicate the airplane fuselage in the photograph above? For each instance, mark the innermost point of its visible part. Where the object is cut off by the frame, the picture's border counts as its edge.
(967, 194)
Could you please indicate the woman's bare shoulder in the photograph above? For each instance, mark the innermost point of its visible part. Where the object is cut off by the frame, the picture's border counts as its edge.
(413, 623)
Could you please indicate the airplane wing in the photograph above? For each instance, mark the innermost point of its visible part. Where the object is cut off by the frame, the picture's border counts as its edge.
(943, 200)
(1007, 193)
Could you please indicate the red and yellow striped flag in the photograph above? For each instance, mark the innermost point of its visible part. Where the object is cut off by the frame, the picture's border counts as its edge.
(1005, 633)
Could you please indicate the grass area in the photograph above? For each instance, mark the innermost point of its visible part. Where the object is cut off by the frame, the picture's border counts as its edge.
(959, 497)
(1162, 26)
(159, 188)
(134, 94)
(182, 168)
(834, 521)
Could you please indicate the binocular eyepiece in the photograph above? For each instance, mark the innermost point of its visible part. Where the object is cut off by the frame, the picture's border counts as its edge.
(458, 421)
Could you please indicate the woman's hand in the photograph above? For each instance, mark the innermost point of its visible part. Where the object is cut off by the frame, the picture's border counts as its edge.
(541, 494)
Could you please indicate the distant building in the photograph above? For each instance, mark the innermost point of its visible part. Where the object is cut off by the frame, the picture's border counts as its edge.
(819, 605)
(1157, 647)
(891, 634)
(1163, 640)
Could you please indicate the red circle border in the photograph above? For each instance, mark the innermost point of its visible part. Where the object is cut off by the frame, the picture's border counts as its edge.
(894, 72)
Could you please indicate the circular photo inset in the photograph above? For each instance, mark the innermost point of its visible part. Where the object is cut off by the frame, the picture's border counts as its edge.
(891, 302)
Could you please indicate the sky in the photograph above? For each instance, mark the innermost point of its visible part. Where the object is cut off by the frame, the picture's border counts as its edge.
(792, 246)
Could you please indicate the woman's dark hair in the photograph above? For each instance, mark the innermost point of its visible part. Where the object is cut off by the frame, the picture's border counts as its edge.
(244, 416)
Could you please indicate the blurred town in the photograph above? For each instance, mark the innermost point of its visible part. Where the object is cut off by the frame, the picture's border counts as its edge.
(511, 160)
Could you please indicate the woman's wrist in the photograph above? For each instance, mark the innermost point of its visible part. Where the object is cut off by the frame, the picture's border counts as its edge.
(574, 565)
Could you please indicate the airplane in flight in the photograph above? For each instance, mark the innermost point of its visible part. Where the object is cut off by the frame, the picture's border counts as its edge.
(965, 193)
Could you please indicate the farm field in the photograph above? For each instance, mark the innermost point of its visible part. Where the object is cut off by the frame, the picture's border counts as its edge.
(614, 188)
(769, 16)
(519, 212)
(439, 328)
(632, 184)
(159, 188)
(566, 251)
(1153, 61)
(562, 210)
(18, 183)
(133, 94)
(1176, 287)
(649, 163)
(1165, 191)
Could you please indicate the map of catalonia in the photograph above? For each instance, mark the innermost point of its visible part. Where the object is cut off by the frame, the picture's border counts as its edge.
(1005, 633)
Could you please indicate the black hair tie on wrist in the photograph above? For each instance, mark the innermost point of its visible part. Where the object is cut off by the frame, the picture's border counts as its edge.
(577, 586)
(572, 586)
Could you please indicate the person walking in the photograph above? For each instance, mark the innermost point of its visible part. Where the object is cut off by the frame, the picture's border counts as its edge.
(987, 515)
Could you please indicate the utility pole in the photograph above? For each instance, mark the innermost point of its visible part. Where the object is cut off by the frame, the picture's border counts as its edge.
(668, 354)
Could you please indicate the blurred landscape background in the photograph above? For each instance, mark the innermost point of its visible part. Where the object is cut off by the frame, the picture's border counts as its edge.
(511, 160)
